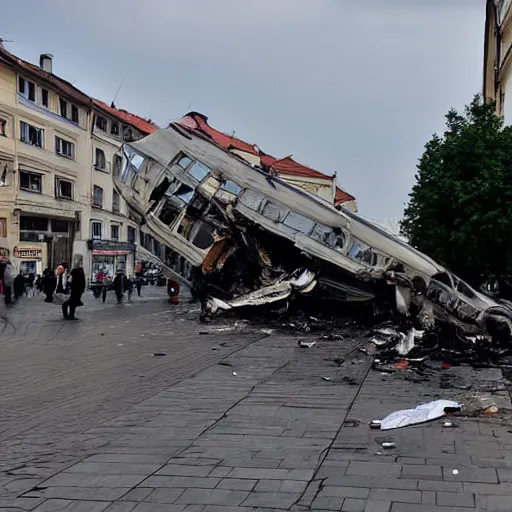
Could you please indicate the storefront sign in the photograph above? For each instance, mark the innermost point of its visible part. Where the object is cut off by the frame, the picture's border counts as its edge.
(32, 253)
(111, 248)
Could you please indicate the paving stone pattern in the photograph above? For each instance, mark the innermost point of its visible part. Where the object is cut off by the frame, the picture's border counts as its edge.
(226, 422)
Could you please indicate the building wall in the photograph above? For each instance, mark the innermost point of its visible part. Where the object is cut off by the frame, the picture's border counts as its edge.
(16, 156)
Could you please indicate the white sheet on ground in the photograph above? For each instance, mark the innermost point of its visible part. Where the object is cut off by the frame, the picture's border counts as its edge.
(422, 413)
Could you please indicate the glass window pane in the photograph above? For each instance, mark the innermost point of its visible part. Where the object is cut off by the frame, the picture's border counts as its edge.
(184, 162)
(251, 199)
(199, 171)
(299, 222)
(273, 212)
(231, 186)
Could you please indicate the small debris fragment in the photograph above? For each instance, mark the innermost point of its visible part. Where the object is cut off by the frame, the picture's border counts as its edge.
(326, 378)
(235, 374)
(448, 424)
(445, 366)
(306, 344)
(388, 446)
(268, 332)
(490, 411)
(159, 354)
(455, 471)
(375, 424)
(378, 453)
(119, 344)
(402, 365)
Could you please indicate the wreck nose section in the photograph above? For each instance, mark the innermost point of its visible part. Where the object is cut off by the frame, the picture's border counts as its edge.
(497, 322)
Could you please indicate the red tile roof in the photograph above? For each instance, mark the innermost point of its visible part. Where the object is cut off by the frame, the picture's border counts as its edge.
(64, 86)
(199, 123)
(138, 122)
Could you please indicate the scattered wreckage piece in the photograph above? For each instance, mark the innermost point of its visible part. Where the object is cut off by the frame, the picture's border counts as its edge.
(421, 414)
(241, 237)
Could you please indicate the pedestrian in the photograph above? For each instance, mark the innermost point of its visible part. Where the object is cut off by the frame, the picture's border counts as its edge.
(6, 275)
(173, 290)
(129, 287)
(61, 279)
(138, 284)
(119, 285)
(77, 288)
(19, 286)
(49, 283)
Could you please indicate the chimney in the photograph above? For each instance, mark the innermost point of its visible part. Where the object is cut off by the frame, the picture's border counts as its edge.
(45, 62)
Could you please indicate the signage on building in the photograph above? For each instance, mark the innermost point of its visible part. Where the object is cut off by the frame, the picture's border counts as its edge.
(32, 253)
(111, 248)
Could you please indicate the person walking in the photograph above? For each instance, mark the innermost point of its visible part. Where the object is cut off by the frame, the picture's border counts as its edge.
(49, 283)
(19, 286)
(77, 288)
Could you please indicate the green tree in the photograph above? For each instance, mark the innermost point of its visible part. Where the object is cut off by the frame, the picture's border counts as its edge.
(460, 209)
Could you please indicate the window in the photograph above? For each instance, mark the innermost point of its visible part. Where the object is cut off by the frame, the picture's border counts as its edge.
(27, 89)
(63, 104)
(100, 159)
(132, 235)
(101, 123)
(63, 189)
(3, 227)
(3, 126)
(74, 114)
(299, 222)
(118, 163)
(68, 111)
(273, 212)
(332, 237)
(96, 230)
(97, 199)
(64, 147)
(60, 226)
(231, 186)
(114, 232)
(362, 252)
(30, 181)
(33, 229)
(199, 171)
(115, 201)
(31, 135)
(114, 128)
(251, 200)
(45, 98)
(184, 162)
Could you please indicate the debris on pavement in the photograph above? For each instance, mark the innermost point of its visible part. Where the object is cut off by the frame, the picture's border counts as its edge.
(306, 344)
(375, 424)
(388, 446)
(421, 414)
(159, 354)
(242, 238)
(455, 471)
(326, 378)
(491, 411)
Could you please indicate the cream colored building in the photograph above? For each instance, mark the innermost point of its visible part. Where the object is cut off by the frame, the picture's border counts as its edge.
(113, 229)
(44, 148)
(498, 57)
(59, 150)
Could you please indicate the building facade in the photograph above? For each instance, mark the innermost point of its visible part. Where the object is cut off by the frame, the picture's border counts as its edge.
(113, 229)
(59, 151)
(44, 147)
(497, 71)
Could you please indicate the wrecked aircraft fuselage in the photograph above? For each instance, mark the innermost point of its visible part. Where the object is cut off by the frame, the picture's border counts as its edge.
(239, 236)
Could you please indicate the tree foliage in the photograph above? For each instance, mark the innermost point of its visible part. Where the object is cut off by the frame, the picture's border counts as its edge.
(460, 209)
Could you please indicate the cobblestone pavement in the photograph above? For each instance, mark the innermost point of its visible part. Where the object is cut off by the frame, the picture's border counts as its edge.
(226, 421)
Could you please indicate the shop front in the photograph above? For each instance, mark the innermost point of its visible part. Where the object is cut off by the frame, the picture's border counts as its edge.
(109, 256)
(29, 259)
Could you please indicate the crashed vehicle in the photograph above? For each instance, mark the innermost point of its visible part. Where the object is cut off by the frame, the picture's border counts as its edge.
(239, 235)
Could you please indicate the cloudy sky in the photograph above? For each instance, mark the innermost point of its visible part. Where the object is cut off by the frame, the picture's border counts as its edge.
(352, 86)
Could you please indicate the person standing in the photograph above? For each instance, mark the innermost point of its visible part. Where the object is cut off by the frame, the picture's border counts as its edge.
(119, 286)
(6, 275)
(77, 288)
(49, 284)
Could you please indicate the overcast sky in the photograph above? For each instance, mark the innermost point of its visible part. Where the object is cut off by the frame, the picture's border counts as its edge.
(352, 86)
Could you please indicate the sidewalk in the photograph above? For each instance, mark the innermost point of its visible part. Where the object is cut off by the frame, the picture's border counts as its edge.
(260, 430)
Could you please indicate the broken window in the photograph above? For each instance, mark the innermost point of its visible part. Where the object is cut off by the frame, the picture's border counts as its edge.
(362, 252)
(299, 222)
(273, 212)
(184, 193)
(31, 135)
(184, 161)
(132, 164)
(231, 186)
(333, 238)
(198, 171)
(203, 235)
(251, 200)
